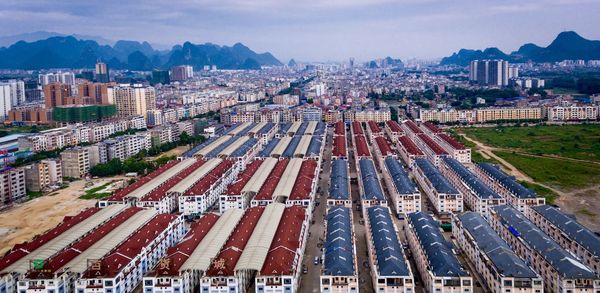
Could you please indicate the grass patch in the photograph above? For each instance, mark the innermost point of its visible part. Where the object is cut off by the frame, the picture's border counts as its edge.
(475, 155)
(558, 173)
(580, 141)
(548, 194)
(93, 193)
(34, 194)
(586, 212)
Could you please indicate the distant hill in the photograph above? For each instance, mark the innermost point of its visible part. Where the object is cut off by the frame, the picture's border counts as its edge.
(6, 41)
(71, 52)
(567, 45)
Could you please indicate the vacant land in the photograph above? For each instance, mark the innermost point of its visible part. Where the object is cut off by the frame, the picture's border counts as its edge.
(581, 142)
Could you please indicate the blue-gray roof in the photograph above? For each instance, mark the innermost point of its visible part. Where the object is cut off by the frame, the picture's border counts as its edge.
(244, 148)
(232, 127)
(390, 257)
(314, 148)
(508, 182)
(471, 180)
(338, 185)
(215, 152)
(400, 177)
(302, 128)
(291, 148)
(339, 247)
(571, 227)
(283, 127)
(433, 174)
(195, 149)
(266, 152)
(370, 180)
(320, 129)
(266, 128)
(565, 264)
(506, 261)
(441, 259)
(247, 129)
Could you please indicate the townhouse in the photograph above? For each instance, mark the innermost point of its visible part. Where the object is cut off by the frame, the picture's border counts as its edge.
(443, 195)
(403, 191)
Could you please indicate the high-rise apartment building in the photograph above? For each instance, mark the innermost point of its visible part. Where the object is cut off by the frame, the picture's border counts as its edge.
(60, 77)
(489, 72)
(56, 93)
(96, 91)
(160, 76)
(102, 74)
(12, 94)
(132, 100)
(182, 72)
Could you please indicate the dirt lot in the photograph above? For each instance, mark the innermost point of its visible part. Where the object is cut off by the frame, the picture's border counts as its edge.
(22, 222)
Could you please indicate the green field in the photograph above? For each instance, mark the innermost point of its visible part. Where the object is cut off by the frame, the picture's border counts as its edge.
(94, 193)
(564, 175)
(475, 155)
(572, 141)
(550, 195)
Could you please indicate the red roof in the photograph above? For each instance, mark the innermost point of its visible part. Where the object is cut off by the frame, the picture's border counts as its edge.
(384, 146)
(177, 255)
(224, 263)
(266, 191)
(204, 184)
(68, 254)
(340, 128)
(303, 184)
(410, 146)
(413, 126)
(394, 126)
(20, 250)
(339, 146)
(432, 127)
(160, 192)
(282, 253)
(356, 128)
(112, 264)
(121, 193)
(434, 146)
(362, 148)
(236, 187)
(451, 141)
(374, 127)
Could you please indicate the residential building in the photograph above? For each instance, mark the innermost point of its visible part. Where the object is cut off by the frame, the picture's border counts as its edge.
(448, 115)
(132, 100)
(43, 174)
(182, 72)
(572, 113)
(445, 197)
(340, 267)
(102, 72)
(12, 185)
(75, 162)
(404, 192)
(55, 94)
(484, 115)
(489, 72)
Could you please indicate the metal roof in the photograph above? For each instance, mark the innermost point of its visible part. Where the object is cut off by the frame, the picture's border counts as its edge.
(213, 241)
(314, 149)
(400, 177)
(292, 146)
(233, 146)
(294, 128)
(390, 257)
(195, 149)
(157, 181)
(565, 264)
(266, 152)
(283, 127)
(302, 129)
(504, 259)
(66, 238)
(319, 129)
(568, 225)
(245, 147)
(310, 129)
(508, 182)
(281, 146)
(473, 182)
(240, 129)
(433, 174)
(339, 243)
(284, 251)
(189, 181)
(105, 245)
(258, 245)
(257, 127)
(210, 147)
(217, 150)
(286, 183)
(368, 173)
(338, 185)
(303, 145)
(261, 175)
(442, 261)
(266, 128)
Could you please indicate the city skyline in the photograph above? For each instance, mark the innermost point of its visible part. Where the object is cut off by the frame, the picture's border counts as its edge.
(314, 30)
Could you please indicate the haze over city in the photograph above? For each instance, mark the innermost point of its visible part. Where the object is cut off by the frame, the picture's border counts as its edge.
(314, 30)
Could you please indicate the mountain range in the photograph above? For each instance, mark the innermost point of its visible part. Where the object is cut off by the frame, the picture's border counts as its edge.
(73, 52)
(566, 46)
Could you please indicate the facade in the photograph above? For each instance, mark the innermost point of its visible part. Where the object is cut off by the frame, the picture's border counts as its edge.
(75, 162)
(448, 116)
(439, 268)
(445, 197)
(389, 268)
(55, 94)
(501, 269)
(43, 174)
(572, 113)
(560, 270)
(378, 116)
(12, 186)
(12, 94)
(61, 77)
(132, 100)
(489, 72)
(508, 114)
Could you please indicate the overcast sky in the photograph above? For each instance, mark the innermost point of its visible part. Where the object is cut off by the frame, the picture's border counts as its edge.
(314, 30)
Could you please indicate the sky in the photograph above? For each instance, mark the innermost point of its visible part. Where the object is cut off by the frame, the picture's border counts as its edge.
(314, 30)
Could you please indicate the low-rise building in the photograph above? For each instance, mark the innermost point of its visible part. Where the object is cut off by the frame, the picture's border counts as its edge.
(43, 174)
(12, 186)
(339, 184)
(339, 273)
(572, 113)
(404, 193)
(75, 162)
(445, 197)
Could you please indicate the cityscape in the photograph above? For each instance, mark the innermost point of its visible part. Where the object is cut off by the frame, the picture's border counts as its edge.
(135, 166)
